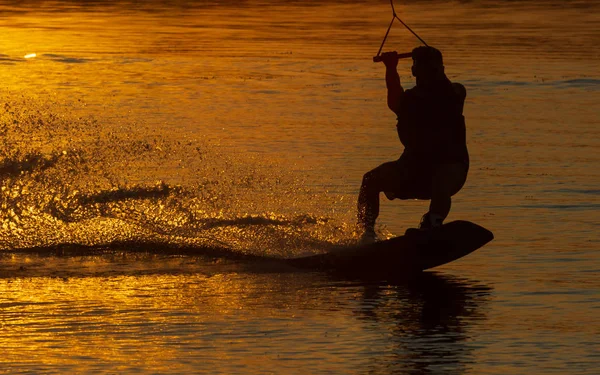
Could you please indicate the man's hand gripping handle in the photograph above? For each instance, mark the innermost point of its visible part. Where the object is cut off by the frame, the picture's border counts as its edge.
(379, 58)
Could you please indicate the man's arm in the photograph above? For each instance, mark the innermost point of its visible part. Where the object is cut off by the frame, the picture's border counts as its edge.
(461, 91)
(392, 80)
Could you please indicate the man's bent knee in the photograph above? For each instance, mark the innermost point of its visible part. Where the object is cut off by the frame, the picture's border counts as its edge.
(449, 179)
(373, 180)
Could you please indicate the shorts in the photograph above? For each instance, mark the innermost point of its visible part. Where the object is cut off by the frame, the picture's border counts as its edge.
(407, 179)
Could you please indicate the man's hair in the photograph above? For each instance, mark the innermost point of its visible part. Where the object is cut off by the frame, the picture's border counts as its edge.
(428, 56)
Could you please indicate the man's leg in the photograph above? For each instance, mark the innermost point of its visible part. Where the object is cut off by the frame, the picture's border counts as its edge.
(382, 178)
(448, 179)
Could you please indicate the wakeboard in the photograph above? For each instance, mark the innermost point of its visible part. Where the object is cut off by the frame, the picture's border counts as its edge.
(401, 256)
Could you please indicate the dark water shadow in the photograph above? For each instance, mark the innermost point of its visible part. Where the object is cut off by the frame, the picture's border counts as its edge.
(429, 318)
(424, 323)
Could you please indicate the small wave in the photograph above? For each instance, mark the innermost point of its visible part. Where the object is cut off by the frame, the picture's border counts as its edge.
(580, 82)
(576, 191)
(150, 247)
(257, 220)
(120, 194)
(11, 167)
(7, 60)
(133, 60)
(66, 59)
(584, 83)
(576, 83)
(480, 83)
(574, 207)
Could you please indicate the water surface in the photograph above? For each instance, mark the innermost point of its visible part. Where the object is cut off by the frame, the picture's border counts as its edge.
(247, 126)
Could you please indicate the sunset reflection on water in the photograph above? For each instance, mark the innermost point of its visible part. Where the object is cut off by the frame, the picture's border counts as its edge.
(246, 128)
(230, 317)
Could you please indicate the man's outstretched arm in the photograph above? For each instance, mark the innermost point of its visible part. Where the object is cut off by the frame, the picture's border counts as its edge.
(392, 80)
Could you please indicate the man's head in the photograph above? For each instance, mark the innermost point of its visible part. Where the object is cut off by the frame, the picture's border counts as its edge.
(428, 63)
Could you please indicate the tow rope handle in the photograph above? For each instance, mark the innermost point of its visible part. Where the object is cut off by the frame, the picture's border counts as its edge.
(400, 56)
(377, 58)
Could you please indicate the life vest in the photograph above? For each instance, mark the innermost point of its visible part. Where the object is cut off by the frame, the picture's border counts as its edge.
(431, 125)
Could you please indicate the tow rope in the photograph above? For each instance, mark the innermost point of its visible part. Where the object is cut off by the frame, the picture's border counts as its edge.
(377, 58)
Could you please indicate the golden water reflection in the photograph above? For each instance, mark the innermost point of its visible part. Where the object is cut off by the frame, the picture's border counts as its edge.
(127, 91)
(139, 313)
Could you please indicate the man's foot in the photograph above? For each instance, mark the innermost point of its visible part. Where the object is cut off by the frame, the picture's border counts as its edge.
(368, 237)
(430, 221)
(427, 228)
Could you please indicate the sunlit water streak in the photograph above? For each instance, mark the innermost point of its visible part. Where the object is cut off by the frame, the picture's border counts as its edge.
(246, 127)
